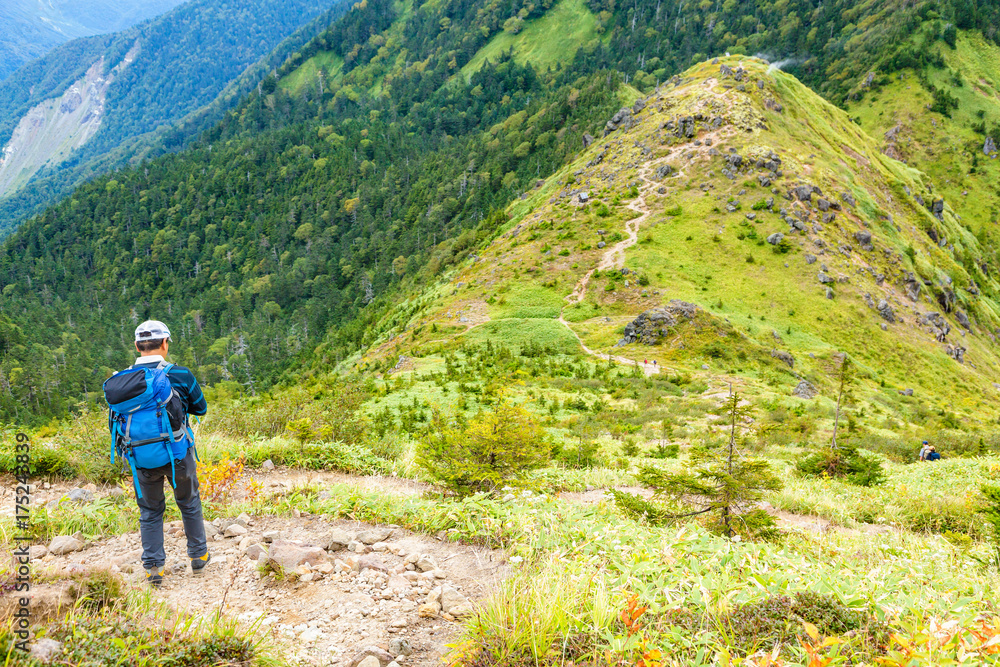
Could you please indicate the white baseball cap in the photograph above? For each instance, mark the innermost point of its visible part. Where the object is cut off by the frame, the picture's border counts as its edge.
(151, 330)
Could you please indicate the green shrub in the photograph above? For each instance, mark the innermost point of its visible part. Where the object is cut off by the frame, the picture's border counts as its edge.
(497, 447)
(344, 457)
(779, 619)
(216, 650)
(98, 589)
(846, 462)
(583, 455)
(664, 451)
(630, 448)
(991, 510)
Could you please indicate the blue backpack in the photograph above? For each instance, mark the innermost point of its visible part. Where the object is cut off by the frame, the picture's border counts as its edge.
(148, 424)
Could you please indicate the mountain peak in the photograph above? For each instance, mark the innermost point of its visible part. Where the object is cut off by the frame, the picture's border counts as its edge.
(734, 188)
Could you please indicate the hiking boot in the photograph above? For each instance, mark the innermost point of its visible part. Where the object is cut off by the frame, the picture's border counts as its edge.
(198, 564)
(154, 576)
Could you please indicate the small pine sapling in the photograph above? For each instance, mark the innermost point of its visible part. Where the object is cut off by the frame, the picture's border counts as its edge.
(843, 459)
(721, 484)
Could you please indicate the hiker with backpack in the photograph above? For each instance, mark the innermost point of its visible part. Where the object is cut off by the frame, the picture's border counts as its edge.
(924, 449)
(148, 418)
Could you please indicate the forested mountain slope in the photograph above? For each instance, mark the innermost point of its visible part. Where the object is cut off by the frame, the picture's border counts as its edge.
(84, 108)
(29, 29)
(387, 150)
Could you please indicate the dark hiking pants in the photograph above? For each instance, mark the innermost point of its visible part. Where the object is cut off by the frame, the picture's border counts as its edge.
(153, 503)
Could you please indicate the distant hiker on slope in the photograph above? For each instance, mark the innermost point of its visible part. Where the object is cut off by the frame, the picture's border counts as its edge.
(932, 454)
(149, 406)
(922, 456)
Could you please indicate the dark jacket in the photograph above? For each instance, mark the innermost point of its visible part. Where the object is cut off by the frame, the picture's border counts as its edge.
(185, 384)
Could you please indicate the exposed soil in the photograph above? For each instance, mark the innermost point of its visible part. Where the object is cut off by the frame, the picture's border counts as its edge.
(326, 621)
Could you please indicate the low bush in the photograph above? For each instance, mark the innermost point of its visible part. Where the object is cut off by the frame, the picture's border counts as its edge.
(497, 447)
(665, 451)
(847, 462)
(780, 620)
(991, 511)
(98, 589)
(131, 633)
(585, 454)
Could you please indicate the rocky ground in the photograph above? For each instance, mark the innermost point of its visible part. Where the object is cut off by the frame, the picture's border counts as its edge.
(335, 592)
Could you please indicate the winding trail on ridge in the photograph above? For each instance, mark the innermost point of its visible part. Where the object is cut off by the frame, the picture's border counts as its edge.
(614, 257)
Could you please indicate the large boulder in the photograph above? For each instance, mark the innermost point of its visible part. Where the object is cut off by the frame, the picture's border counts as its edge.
(622, 119)
(783, 356)
(374, 534)
(805, 389)
(64, 544)
(290, 555)
(886, 311)
(651, 325)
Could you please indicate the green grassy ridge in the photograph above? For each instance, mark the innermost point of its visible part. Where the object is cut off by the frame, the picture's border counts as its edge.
(325, 64)
(944, 148)
(550, 40)
(696, 256)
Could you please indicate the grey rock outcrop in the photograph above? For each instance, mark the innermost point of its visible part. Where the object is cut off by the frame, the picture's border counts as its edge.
(956, 352)
(621, 120)
(886, 311)
(803, 193)
(963, 319)
(653, 324)
(937, 208)
(663, 171)
(805, 389)
(938, 326)
(912, 286)
(783, 356)
(776, 238)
